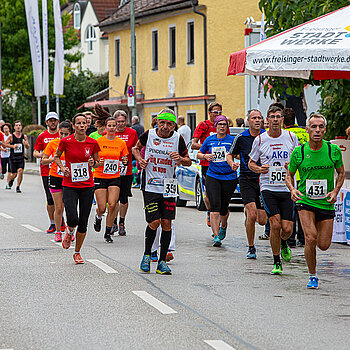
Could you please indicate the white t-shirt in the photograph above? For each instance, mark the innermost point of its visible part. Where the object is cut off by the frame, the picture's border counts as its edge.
(274, 151)
(185, 132)
(6, 153)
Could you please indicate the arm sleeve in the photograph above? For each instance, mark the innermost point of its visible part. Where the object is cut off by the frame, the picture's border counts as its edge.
(205, 148)
(143, 138)
(293, 161)
(182, 147)
(255, 152)
(235, 146)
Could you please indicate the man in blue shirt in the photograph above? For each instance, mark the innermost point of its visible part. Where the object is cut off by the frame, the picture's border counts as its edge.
(248, 180)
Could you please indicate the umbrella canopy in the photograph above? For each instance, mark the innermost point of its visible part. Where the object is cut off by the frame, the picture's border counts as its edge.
(321, 45)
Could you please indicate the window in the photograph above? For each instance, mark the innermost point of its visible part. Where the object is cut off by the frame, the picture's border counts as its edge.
(76, 16)
(172, 46)
(155, 49)
(90, 37)
(192, 121)
(117, 57)
(190, 42)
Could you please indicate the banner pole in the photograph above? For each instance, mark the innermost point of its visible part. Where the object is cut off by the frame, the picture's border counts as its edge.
(58, 105)
(39, 111)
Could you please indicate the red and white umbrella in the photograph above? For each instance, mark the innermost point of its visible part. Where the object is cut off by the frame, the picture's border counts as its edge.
(321, 45)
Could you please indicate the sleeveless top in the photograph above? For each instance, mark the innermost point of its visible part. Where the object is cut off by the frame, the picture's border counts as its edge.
(17, 153)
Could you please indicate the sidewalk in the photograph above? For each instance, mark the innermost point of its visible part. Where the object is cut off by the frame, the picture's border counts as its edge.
(31, 168)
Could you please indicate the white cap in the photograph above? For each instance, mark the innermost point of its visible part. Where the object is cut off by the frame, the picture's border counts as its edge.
(51, 115)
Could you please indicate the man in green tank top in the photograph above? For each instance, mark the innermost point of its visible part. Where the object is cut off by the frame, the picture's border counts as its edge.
(316, 161)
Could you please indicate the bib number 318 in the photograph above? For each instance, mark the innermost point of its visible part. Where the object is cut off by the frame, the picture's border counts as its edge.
(170, 188)
(80, 172)
(316, 189)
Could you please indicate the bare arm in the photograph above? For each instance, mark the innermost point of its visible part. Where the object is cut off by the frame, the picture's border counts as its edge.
(263, 169)
(185, 160)
(65, 170)
(25, 142)
(136, 151)
(37, 154)
(206, 156)
(47, 160)
(8, 143)
(294, 193)
(339, 183)
(195, 144)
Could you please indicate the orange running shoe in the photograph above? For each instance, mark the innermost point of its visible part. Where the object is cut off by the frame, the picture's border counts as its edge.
(208, 218)
(169, 256)
(67, 239)
(77, 258)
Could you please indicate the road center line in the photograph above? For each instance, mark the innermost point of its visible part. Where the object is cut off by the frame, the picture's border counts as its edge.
(6, 216)
(32, 228)
(157, 304)
(219, 345)
(104, 267)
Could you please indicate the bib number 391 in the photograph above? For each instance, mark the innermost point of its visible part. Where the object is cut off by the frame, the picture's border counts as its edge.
(219, 154)
(59, 172)
(110, 166)
(80, 172)
(122, 169)
(277, 175)
(316, 189)
(170, 188)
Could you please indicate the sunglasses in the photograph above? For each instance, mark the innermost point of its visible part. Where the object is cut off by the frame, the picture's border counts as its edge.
(216, 112)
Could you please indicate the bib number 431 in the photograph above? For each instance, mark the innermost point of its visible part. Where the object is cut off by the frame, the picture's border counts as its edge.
(316, 189)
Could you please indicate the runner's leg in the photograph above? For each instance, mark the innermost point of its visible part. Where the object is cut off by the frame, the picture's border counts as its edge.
(251, 212)
(325, 231)
(59, 207)
(275, 234)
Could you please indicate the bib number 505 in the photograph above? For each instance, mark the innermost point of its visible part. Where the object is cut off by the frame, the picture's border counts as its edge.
(277, 175)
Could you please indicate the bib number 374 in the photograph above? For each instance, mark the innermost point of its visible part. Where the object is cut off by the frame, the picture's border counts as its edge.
(316, 189)
(170, 188)
(80, 172)
(277, 175)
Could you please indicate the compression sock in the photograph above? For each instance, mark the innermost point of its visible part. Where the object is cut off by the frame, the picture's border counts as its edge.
(121, 220)
(150, 235)
(164, 244)
(276, 259)
(108, 230)
(284, 243)
(116, 220)
(52, 222)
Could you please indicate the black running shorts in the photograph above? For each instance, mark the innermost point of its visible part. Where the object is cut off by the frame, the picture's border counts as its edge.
(55, 183)
(250, 192)
(320, 214)
(49, 198)
(16, 164)
(158, 207)
(105, 183)
(278, 203)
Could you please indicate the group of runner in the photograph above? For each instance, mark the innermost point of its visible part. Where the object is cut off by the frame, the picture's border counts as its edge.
(82, 166)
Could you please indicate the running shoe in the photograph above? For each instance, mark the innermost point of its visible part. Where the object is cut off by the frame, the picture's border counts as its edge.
(300, 244)
(58, 237)
(97, 224)
(18, 190)
(114, 229)
(208, 218)
(286, 253)
(11, 183)
(264, 237)
(154, 256)
(146, 263)
(108, 238)
(77, 258)
(216, 241)
(51, 229)
(121, 230)
(313, 283)
(67, 239)
(251, 254)
(73, 238)
(169, 256)
(7, 187)
(163, 268)
(222, 233)
(277, 269)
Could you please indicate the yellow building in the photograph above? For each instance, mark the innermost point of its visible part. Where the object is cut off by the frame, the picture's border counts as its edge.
(170, 56)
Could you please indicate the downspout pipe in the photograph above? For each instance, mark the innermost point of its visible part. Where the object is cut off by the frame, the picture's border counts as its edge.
(205, 44)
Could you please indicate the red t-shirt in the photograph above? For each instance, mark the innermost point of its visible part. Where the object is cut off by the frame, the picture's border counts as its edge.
(130, 137)
(41, 142)
(77, 155)
(1, 139)
(203, 130)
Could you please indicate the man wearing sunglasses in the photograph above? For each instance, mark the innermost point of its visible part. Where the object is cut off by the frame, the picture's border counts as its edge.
(203, 130)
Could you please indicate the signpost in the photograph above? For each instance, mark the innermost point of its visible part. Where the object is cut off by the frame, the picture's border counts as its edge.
(131, 96)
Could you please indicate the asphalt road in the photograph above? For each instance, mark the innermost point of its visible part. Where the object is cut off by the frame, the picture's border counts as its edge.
(215, 299)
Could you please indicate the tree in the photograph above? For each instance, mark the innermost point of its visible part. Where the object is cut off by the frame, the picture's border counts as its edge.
(17, 71)
(284, 14)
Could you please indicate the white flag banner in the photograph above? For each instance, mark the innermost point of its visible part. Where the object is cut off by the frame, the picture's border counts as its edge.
(45, 50)
(32, 14)
(58, 80)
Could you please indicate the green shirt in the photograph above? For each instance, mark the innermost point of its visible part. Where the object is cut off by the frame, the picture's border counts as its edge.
(316, 165)
(95, 135)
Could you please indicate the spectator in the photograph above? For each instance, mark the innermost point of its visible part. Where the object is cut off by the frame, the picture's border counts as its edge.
(240, 122)
(91, 128)
(137, 126)
(184, 129)
(347, 133)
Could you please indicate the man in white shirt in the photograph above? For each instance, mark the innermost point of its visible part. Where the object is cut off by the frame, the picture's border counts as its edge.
(274, 148)
(184, 129)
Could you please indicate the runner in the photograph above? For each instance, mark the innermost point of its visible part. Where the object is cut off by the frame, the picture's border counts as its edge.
(248, 180)
(100, 126)
(16, 142)
(5, 153)
(43, 139)
(203, 130)
(107, 178)
(273, 148)
(221, 180)
(81, 153)
(56, 176)
(164, 149)
(130, 137)
(316, 161)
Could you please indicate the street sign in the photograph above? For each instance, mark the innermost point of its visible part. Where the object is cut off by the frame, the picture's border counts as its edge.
(131, 96)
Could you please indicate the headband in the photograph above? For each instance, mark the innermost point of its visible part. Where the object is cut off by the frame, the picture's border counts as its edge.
(167, 116)
(220, 118)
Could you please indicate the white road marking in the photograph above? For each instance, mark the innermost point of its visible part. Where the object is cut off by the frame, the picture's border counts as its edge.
(32, 228)
(6, 216)
(104, 267)
(157, 304)
(219, 345)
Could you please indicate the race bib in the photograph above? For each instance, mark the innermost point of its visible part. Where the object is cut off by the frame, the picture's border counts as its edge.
(59, 172)
(19, 148)
(170, 188)
(219, 154)
(79, 172)
(122, 169)
(277, 175)
(316, 189)
(111, 166)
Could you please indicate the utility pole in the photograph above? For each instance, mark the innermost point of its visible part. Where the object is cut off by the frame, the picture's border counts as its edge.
(133, 54)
